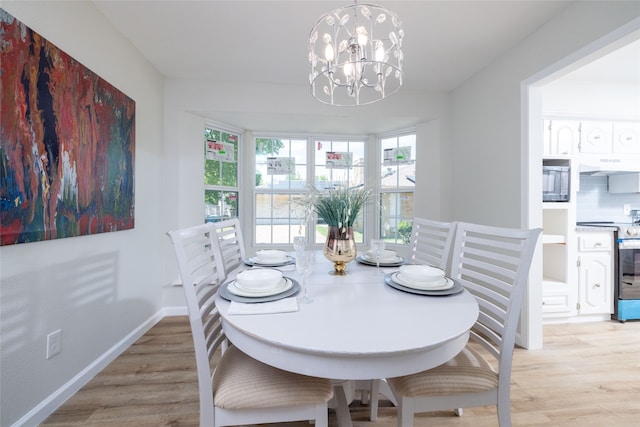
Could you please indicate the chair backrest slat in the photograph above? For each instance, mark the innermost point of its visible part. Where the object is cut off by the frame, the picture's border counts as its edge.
(493, 264)
(231, 242)
(430, 242)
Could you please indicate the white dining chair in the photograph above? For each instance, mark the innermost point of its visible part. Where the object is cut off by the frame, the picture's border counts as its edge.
(231, 245)
(234, 388)
(431, 242)
(493, 264)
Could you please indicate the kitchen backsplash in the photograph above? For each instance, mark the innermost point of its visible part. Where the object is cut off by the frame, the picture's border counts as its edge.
(595, 203)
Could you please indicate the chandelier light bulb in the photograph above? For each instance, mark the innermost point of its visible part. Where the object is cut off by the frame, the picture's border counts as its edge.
(328, 53)
(363, 42)
(362, 37)
(348, 70)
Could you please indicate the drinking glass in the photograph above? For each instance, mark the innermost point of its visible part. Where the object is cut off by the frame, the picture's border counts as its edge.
(305, 261)
(299, 243)
(378, 246)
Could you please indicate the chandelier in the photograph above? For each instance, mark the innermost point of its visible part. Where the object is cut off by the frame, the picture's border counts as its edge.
(355, 55)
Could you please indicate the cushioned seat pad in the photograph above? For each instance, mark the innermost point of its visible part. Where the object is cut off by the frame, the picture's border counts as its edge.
(466, 373)
(242, 382)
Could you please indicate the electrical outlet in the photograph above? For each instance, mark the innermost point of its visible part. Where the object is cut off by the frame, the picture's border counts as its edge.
(54, 343)
(627, 209)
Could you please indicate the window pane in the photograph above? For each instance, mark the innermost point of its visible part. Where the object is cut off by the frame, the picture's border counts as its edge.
(278, 218)
(398, 162)
(220, 205)
(273, 159)
(221, 158)
(348, 173)
(396, 217)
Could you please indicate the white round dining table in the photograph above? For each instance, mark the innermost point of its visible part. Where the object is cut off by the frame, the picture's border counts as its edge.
(356, 328)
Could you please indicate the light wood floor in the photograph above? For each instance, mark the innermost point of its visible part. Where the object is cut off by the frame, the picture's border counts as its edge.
(587, 375)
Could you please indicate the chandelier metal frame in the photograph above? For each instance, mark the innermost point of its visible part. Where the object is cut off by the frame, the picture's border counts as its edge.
(356, 56)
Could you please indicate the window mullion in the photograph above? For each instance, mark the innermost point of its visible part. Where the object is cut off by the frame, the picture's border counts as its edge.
(310, 226)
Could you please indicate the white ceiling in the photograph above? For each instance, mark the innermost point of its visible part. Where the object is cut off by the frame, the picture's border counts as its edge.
(445, 42)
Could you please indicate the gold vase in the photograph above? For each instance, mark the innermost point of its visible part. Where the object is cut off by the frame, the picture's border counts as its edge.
(340, 248)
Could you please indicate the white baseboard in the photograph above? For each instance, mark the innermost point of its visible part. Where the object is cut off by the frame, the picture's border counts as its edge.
(48, 406)
(176, 311)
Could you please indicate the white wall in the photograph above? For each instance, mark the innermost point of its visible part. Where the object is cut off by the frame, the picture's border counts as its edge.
(489, 181)
(98, 289)
(591, 100)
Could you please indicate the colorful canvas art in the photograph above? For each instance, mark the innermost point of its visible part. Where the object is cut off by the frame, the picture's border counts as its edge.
(67, 143)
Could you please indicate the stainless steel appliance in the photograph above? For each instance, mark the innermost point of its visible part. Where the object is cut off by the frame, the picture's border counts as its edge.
(626, 297)
(627, 292)
(555, 183)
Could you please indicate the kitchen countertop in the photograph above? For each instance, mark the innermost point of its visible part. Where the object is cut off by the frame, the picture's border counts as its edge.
(596, 228)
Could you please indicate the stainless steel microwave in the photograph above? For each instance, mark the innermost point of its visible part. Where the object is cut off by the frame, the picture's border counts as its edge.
(556, 183)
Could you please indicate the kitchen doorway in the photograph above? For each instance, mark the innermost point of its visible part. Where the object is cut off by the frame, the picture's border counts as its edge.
(533, 92)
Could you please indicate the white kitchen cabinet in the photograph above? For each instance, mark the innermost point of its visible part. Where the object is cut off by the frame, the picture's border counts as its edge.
(565, 137)
(578, 280)
(596, 137)
(559, 299)
(594, 281)
(626, 138)
(595, 241)
(595, 273)
(561, 137)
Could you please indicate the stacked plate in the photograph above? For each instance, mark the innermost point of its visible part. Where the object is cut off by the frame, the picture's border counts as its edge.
(259, 285)
(270, 258)
(423, 277)
(423, 280)
(388, 258)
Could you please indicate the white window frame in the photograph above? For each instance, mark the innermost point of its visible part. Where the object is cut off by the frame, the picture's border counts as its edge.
(311, 161)
(239, 165)
(398, 135)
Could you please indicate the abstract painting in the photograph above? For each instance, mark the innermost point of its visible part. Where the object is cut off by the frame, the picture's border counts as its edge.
(67, 143)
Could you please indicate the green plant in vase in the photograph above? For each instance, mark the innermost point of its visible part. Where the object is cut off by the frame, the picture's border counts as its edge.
(339, 207)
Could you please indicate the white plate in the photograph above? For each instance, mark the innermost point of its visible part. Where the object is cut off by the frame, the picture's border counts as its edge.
(257, 261)
(455, 289)
(249, 290)
(271, 256)
(382, 260)
(283, 286)
(259, 279)
(405, 278)
(445, 284)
